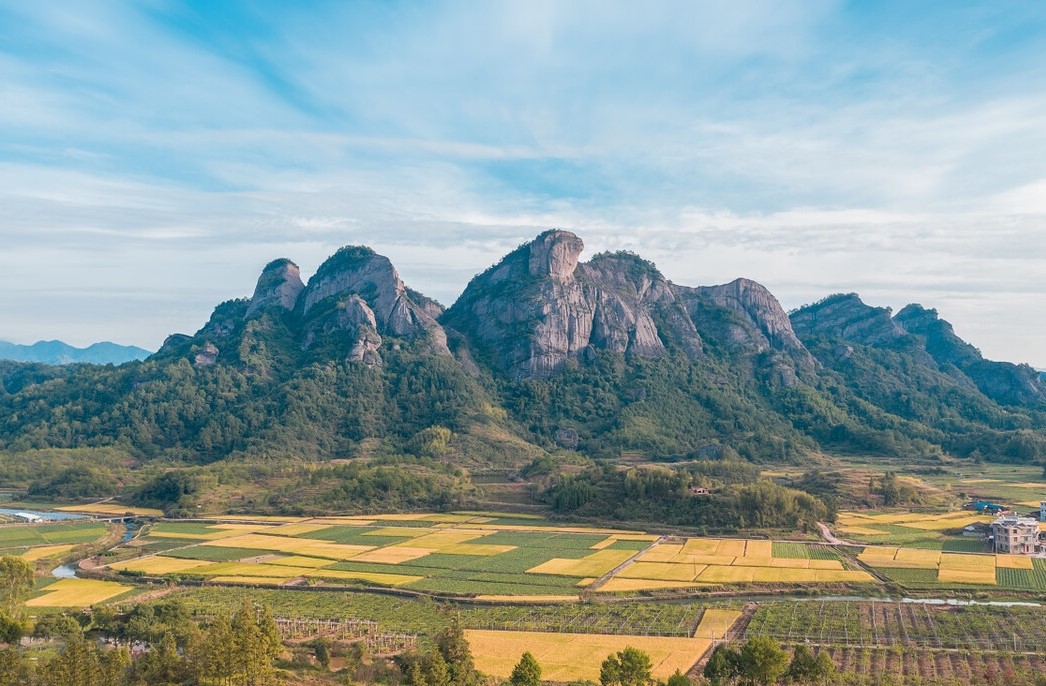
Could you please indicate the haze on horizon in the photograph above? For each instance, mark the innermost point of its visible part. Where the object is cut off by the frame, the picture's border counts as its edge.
(154, 156)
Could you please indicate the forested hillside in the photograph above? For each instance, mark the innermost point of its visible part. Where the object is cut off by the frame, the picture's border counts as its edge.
(543, 354)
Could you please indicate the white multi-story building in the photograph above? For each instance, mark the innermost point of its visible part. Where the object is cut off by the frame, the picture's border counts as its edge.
(1042, 511)
(1015, 535)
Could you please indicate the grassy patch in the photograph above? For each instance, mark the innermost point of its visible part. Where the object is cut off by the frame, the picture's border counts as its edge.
(216, 554)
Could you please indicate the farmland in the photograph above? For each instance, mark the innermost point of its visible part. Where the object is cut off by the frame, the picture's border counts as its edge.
(37, 541)
(931, 568)
(77, 593)
(930, 531)
(571, 656)
(465, 554)
(522, 583)
(910, 640)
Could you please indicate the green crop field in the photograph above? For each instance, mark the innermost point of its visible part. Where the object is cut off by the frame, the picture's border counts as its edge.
(902, 625)
(215, 554)
(427, 617)
(1026, 579)
(28, 535)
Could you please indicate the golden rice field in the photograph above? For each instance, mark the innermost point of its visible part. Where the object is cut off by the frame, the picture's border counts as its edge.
(486, 555)
(954, 568)
(115, 509)
(77, 593)
(705, 561)
(866, 524)
(573, 657)
(45, 551)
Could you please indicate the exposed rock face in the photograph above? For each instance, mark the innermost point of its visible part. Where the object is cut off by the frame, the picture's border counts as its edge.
(1003, 382)
(278, 286)
(207, 355)
(539, 308)
(371, 278)
(745, 318)
(226, 319)
(846, 317)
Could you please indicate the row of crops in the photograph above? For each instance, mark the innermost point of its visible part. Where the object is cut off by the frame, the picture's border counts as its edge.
(1020, 629)
(426, 617)
(881, 666)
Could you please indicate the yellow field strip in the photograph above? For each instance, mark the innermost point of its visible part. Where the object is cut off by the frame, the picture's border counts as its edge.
(661, 571)
(115, 509)
(392, 555)
(373, 577)
(527, 599)
(1013, 562)
(295, 546)
(715, 622)
(597, 564)
(297, 529)
(157, 565)
(572, 657)
(77, 593)
(249, 580)
(41, 552)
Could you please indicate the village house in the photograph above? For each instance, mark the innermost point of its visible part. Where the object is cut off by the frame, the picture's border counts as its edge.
(1015, 535)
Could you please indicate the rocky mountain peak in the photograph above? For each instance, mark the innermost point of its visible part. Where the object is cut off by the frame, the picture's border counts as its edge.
(744, 316)
(540, 307)
(555, 254)
(845, 316)
(279, 285)
(358, 271)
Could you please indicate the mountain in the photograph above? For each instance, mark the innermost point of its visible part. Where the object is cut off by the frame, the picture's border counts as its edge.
(57, 352)
(543, 354)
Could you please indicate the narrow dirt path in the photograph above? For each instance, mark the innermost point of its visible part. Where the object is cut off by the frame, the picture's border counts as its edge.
(827, 534)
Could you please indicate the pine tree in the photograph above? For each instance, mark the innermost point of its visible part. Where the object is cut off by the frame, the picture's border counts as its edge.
(527, 671)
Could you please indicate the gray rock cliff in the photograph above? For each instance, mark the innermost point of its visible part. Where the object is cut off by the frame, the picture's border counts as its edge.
(357, 277)
(540, 307)
(279, 285)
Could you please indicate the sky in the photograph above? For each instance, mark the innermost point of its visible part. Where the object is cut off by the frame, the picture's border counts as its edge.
(155, 155)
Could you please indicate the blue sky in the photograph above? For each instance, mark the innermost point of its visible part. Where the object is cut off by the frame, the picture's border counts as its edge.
(155, 155)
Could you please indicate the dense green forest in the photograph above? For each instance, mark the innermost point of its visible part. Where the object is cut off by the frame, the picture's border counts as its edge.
(332, 406)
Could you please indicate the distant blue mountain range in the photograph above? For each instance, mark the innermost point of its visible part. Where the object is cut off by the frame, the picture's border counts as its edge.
(57, 352)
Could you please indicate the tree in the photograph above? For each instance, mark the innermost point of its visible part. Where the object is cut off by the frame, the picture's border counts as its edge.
(678, 679)
(763, 661)
(16, 581)
(628, 667)
(321, 650)
(457, 654)
(527, 671)
(723, 666)
(802, 665)
(824, 670)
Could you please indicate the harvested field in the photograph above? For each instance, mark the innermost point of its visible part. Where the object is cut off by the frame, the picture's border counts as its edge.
(115, 509)
(597, 564)
(661, 571)
(45, 551)
(392, 555)
(715, 622)
(77, 593)
(158, 566)
(571, 657)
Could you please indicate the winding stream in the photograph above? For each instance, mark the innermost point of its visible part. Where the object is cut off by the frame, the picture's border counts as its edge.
(68, 570)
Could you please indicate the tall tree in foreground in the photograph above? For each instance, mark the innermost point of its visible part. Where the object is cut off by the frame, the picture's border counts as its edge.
(527, 671)
(628, 667)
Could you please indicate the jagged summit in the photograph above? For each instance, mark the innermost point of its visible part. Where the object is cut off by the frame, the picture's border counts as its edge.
(279, 285)
(845, 316)
(540, 307)
(359, 271)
